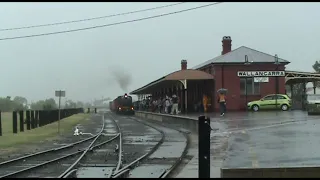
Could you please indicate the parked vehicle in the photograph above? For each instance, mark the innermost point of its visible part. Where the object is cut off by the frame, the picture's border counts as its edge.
(271, 102)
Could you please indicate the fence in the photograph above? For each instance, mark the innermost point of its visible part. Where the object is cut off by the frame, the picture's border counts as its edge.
(37, 118)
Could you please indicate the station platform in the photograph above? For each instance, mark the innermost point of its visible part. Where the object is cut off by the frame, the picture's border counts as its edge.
(191, 169)
(258, 140)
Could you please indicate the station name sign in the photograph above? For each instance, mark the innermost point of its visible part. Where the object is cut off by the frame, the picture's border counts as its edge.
(261, 73)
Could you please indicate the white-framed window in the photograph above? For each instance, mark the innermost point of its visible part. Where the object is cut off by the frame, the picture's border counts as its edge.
(248, 84)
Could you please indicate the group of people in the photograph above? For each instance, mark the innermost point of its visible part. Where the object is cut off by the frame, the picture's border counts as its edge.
(170, 105)
(221, 99)
(167, 104)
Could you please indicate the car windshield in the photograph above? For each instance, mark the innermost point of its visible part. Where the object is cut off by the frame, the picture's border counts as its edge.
(270, 97)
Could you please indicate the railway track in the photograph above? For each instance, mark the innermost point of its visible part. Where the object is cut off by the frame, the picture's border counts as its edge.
(124, 147)
(161, 159)
(54, 162)
(103, 161)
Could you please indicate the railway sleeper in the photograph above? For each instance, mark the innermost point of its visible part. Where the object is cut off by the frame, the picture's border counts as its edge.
(97, 165)
(160, 160)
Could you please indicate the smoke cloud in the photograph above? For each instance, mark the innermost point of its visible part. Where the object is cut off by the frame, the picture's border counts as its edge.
(121, 77)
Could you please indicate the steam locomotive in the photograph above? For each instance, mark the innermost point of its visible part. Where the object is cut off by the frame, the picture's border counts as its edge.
(122, 105)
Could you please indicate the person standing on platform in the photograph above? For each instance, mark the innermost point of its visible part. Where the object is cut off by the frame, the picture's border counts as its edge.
(166, 105)
(205, 103)
(222, 100)
(160, 102)
(175, 102)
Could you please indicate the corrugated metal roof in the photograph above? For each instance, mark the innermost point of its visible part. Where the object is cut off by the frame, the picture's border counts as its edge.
(237, 56)
(188, 74)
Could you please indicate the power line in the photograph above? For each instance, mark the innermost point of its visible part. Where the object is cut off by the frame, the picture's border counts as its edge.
(90, 19)
(112, 24)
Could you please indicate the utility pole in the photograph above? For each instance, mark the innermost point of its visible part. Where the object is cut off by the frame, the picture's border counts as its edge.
(246, 62)
(276, 61)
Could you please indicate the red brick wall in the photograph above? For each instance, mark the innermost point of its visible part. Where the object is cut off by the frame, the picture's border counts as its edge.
(236, 101)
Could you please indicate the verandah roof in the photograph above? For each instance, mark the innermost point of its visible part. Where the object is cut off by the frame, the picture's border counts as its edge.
(173, 79)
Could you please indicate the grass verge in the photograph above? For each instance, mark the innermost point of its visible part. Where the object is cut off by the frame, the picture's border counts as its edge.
(44, 133)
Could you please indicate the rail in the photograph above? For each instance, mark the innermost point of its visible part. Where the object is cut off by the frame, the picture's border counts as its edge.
(70, 169)
(120, 146)
(125, 170)
(184, 153)
(84, 153)
(118, 171)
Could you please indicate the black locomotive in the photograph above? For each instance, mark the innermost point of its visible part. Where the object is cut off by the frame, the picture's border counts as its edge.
(122, 105)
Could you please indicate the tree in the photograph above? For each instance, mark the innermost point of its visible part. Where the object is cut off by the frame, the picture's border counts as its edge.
(50, 104)
(5, 104)
(80, 104)
(20, 103)
(37, 105)
(70, 104)
(88, 105)
(20, 100)
(316, 67)
(47, 104)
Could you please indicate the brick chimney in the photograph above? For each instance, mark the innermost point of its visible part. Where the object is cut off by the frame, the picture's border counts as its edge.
(226, 44)
(183, 64)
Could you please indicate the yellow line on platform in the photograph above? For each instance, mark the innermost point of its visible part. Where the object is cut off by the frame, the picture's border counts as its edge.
(253, 157)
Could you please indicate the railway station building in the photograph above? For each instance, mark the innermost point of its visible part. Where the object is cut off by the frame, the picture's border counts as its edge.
(246, 73)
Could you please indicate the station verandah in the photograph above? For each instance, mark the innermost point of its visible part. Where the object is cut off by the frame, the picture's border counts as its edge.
(188, 84)
(297, 81)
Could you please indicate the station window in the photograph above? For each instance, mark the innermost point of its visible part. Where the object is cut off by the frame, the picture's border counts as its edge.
(253, 88)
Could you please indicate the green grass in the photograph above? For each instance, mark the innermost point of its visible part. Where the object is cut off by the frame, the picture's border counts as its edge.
(44, 133)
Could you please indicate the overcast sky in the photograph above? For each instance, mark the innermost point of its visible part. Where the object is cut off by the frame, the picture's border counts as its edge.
(81, 62)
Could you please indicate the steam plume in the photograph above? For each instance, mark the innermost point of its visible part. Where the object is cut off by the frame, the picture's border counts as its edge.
(122, 77)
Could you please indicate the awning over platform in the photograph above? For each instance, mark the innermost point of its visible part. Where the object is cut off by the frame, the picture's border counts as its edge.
(174, 78)
(294, 77)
